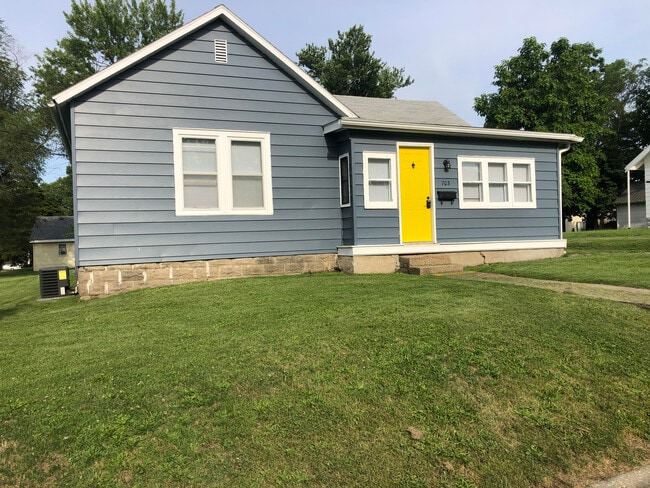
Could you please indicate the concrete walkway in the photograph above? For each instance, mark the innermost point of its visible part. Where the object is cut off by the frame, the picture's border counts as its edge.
(639, 478)
(636, 296)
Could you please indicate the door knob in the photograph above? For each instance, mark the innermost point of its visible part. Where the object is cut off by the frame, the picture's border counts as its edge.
(428, 202)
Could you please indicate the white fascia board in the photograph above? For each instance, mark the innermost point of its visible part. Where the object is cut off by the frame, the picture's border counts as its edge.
(221, 11)
(638, 162)
(50, 241)
(450, 130)
(451, 247)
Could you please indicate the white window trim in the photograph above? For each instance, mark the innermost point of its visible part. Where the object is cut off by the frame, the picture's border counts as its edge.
(344, 205)
(509, 162)
(393, 180)
(222, 140)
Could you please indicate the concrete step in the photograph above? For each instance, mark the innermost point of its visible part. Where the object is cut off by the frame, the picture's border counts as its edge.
(408, 261)
(435, 269)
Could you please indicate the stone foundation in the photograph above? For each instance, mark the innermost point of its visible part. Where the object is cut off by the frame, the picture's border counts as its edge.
(101, 281)
(369, 264)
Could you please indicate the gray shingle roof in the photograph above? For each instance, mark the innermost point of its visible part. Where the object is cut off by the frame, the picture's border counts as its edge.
(405, 111)
(637, 194)
(53, 229)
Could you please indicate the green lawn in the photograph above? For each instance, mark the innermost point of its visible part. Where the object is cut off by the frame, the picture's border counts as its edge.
(314, 380)
(613, 257)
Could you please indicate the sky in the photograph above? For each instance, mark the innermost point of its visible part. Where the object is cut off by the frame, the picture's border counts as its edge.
(449, 47)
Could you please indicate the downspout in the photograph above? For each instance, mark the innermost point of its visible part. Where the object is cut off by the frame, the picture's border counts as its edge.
(560, 151)
(629, 216)
(55, 109)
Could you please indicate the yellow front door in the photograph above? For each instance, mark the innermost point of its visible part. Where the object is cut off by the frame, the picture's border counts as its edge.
(416, 202)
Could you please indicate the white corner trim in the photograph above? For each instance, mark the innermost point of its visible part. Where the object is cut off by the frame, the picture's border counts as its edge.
(451, 247)
(481, 132)
(243, 28)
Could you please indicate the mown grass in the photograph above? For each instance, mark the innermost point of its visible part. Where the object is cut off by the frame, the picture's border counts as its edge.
(613, 257)
(314, 380)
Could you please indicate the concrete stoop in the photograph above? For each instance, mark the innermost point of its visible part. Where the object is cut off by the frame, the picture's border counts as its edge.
(428, 264)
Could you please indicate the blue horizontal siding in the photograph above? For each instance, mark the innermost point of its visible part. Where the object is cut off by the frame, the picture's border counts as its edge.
(124, 162)
(455, 225)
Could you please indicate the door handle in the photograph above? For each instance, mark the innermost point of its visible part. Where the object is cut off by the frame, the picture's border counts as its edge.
(428, 202)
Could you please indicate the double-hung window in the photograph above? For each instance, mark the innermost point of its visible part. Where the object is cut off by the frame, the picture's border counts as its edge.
(488, 182)
(379, 181)
(344, 180)
(222, 172)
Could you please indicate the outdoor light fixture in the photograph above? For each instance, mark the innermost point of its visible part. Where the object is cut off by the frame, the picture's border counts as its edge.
(447, 165)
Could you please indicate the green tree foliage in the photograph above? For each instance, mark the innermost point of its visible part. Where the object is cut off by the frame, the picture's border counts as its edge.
(640, 119)
(351, 67)
(560, 89)
(22, 155)
(57, 196)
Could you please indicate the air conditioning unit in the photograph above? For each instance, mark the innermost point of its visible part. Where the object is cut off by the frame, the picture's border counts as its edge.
(55, 282)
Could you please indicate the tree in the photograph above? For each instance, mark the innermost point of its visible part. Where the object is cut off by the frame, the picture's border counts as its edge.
(640, 119)
(560, 89)
(351, 68)
(57, 196)
(103, 32)
(22, 155)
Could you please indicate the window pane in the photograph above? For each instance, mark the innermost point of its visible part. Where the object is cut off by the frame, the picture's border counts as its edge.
(472, 171)
(246, 157)
(379, 191)
(247, 192)
(498, 192)
(378, 169)
(496, 172)
(200, 191)
(345, 180)
(472, 192)
(199, 155)
(523, 193)
(521, 172)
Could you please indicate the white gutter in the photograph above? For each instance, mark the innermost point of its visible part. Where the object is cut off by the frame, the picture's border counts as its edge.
(449, 130)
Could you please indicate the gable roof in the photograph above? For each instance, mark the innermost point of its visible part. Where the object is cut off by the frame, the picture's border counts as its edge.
(60, 102)
(52, 229)
(638, 162)
(409, 111)
(354, 112)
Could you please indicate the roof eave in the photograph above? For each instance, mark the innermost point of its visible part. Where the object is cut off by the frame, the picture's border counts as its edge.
(64, 97)
(50, 241)
(481, 132)
(639, 161)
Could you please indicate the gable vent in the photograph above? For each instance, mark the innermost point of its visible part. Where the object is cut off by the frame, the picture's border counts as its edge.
(220, 51)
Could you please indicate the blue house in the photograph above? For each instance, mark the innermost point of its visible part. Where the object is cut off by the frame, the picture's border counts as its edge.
(209, 154)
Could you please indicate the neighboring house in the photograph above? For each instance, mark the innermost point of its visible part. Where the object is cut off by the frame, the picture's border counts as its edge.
(52, 241)
(209, 154)
(637, 207)
(633, 207)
